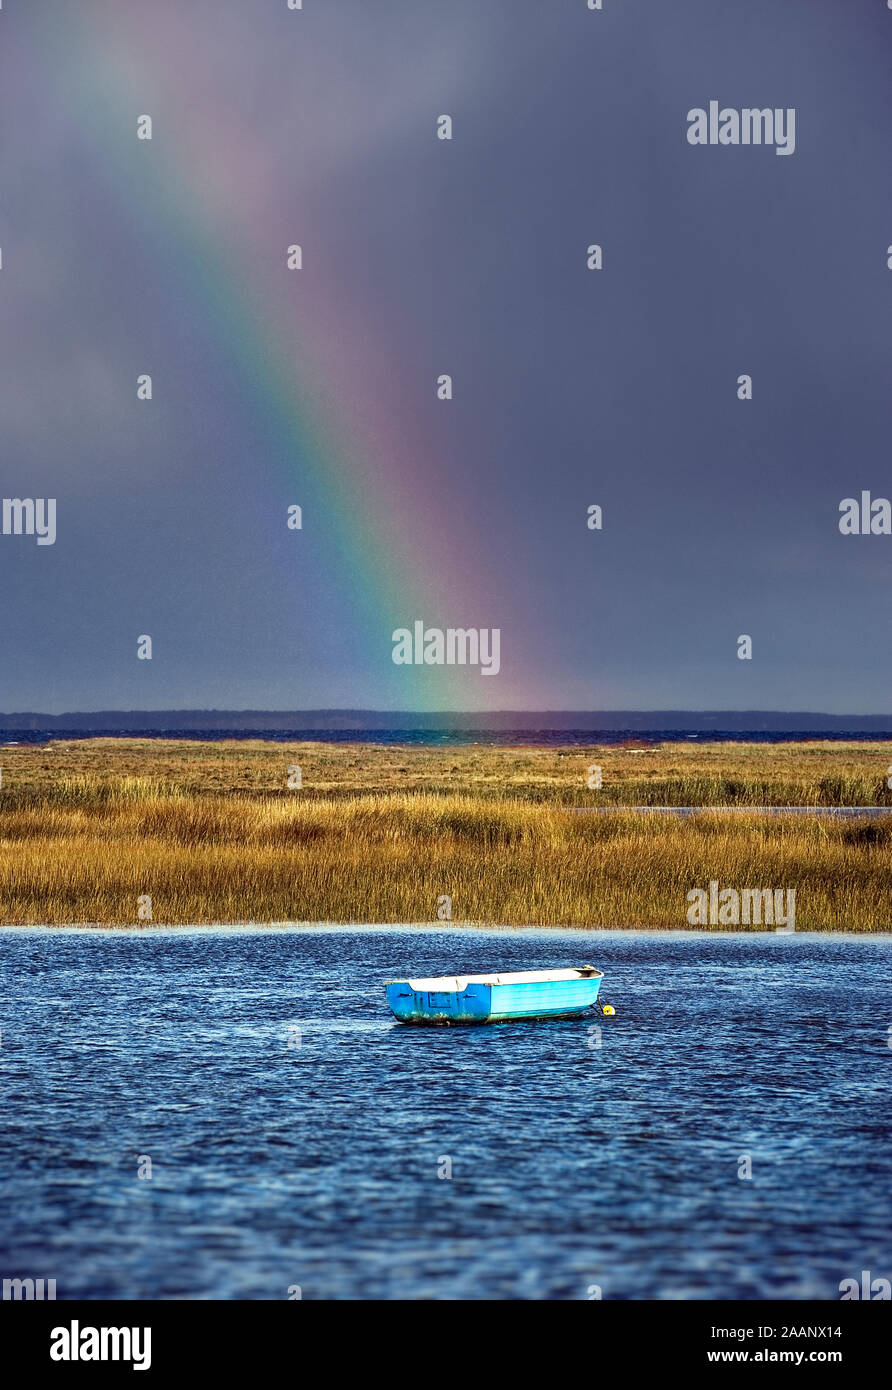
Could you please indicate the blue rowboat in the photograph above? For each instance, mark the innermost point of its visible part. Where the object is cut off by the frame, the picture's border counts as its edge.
(490, 998)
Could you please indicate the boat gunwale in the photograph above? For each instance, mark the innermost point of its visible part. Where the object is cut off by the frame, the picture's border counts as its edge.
(457, 984)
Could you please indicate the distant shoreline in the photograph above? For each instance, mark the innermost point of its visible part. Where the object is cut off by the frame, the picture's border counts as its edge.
(369, 724)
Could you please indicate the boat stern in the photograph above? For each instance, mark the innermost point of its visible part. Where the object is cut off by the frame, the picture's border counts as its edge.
(552, 999)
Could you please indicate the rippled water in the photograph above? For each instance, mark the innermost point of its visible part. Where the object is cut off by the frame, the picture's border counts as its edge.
(572, 1165)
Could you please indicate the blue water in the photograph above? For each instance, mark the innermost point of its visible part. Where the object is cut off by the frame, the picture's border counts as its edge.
(499, 738)
(571, 1165)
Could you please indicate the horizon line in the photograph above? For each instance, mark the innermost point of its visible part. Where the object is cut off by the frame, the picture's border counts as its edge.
(341, 710)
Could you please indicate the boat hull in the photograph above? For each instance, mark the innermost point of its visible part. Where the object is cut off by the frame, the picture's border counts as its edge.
(491, 1003)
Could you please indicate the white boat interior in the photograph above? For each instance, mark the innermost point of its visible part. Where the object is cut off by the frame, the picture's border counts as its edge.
(449, 984)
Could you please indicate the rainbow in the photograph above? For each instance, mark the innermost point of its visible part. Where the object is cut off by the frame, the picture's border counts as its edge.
(340, 436)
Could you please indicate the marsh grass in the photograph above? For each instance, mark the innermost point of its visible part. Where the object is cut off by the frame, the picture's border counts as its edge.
(377, 835)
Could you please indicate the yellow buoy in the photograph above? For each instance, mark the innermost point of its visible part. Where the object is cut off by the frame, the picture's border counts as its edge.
(608, 1009)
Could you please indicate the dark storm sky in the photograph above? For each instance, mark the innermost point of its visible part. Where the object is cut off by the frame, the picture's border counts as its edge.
(572, 387)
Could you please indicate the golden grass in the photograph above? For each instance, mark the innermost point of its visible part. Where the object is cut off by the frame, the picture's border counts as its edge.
(792, 774)
(379, 834)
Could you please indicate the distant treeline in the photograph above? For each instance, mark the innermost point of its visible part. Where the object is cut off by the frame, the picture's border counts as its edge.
(680, 722)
